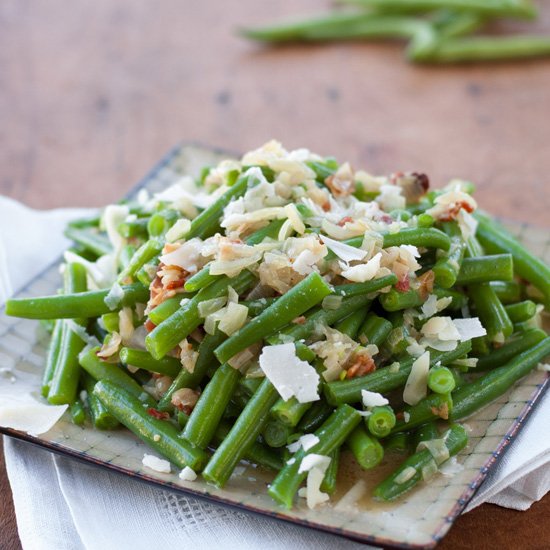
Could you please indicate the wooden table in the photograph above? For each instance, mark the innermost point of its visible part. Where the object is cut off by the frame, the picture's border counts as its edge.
(93, 93)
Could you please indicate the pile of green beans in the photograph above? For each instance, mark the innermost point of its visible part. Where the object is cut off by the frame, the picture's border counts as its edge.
(437, 30)
(155, 364)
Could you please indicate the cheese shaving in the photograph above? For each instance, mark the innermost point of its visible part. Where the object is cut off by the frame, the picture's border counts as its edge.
(344, 251)
(187, 474)
(156, 464)
(373, 399)
(362, 272)
(291, 376)
(416, 387)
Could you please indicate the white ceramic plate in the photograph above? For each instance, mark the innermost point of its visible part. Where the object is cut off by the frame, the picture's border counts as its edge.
(420, 519)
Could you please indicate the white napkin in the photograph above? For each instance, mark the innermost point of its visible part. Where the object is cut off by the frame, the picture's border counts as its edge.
(62, 504)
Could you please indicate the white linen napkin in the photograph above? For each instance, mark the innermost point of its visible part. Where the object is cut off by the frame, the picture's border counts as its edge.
(62, 504)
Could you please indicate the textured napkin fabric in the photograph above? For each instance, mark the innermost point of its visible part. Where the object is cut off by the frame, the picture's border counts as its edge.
(62, 504)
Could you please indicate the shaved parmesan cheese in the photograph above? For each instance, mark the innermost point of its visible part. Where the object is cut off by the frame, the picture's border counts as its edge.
(416, 387)
(406, 416)
(178, 230)
(441, 328)
(313, 492)
(23, 412)
(362, 272)
(157, 464)
(307, 441)
(291, 376)
(467, 224)
(80, 331)
(286, 231)
(114, 297)
(544, 367)
(408, 473)
(344, 251)
(187, 474)
(373, 399)
(469, 328)
(304, 262)
(314, 461)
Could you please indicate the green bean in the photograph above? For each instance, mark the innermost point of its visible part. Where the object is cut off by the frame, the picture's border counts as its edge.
(496, 240)
(424, 237)
(328, 485)
(70, 306)
(244, 432)
(257, 453)
(185, 320)
(399, 482)
(352, 323)
(314, 416)
(448, 264)
(207, 222)
(203, 277)
(375, 330)
(90, 239)
(398, 443)
(380, 421)
(134, 229)
(146, 252)
(385, 379)
(255, 307)
(510, 349)
(522, 311)
(507, 292)
(358, 289)
(78, 414)
(323, 169)
(441, 380)
(209, 409)
(161, 435)
(294, 303)
(331, 435)
(366, 449)
(126, 255)
(275, 433)
(470, 397)
(426, 432)
(459, 299)
(63, 385)
(169, 366)
(101, 418)
(321, 316)
(250, 385)
(493, 8)
(433, 406)
(52, 357)
(491, 312)
(490, 48)
(160, 222)
(101, 370)
(332, 26)
(166, 308)
(397, 300)
(482, 269)
(289, 412)
(186, 379)
(81, 223)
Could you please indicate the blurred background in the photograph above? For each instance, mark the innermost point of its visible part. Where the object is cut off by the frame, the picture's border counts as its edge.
(94, 92)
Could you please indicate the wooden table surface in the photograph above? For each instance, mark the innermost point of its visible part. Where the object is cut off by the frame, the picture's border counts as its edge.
(93, 93)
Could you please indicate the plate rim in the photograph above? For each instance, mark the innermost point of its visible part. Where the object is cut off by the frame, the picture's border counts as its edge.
(439, 533)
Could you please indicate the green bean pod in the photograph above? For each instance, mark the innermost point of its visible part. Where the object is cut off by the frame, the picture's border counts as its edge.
(161, 435)
(366, 449)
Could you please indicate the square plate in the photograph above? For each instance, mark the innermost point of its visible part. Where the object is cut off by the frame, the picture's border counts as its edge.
(420, 519)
